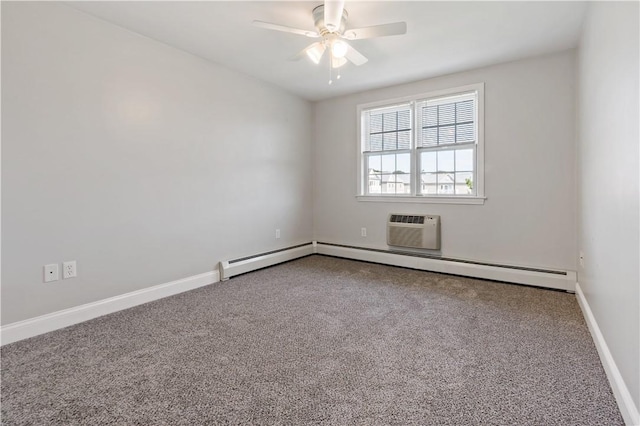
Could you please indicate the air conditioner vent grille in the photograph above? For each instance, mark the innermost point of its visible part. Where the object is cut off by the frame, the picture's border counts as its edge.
(406, 237)
(402, 218)
(414, 231)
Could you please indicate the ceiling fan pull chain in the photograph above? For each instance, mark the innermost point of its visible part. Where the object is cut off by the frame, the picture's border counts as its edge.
(330, 67)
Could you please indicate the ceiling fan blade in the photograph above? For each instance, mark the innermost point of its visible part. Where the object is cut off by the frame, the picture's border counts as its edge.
(313, 51)
(270, 26)
(354, 56)
(333, 14)
(396, 28)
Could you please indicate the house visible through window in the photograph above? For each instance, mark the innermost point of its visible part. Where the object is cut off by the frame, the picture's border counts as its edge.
(424, 146)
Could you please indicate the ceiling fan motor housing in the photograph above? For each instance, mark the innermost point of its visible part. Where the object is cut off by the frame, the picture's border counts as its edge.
(318, 20)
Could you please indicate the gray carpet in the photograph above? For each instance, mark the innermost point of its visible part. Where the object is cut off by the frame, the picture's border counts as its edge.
(320, 341)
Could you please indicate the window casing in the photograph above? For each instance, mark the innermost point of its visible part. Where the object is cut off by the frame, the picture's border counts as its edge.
(427, 147)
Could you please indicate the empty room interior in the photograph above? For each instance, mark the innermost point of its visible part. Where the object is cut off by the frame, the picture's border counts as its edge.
(308, 212)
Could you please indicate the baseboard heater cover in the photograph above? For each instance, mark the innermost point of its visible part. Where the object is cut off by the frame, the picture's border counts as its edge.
(246, 264)
(559, 280)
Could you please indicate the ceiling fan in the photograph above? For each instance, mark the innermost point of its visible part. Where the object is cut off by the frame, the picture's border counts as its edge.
(330, 20)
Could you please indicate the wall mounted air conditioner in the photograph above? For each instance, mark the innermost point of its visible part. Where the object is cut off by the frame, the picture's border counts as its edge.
(413, 231)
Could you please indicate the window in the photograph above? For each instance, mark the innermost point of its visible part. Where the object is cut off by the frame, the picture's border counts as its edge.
(428, 147)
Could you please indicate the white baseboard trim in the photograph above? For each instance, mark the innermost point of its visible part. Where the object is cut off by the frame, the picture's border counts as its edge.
(560, 281)
(231, 268)
(45, 323)
(621, 392)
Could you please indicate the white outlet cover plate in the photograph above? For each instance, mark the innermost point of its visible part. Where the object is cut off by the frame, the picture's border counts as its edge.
(51, 272)
(69, 269)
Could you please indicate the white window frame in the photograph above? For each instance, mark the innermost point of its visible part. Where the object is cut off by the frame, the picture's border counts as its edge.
(416, 196)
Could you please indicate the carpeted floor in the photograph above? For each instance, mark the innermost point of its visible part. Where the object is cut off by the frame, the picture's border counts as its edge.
(320, 341)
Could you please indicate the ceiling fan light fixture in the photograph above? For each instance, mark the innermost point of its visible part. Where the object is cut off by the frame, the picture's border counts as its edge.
(339, 49)
(338, 62)
(315, 52)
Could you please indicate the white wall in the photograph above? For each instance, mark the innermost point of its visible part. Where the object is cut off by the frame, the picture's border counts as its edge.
(529, 215)
(143, 163)
(608, 178)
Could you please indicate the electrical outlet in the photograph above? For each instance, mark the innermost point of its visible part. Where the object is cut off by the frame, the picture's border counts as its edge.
(581, 259)
(51, 273)
(69, 269)
(277, 234)
(363, 232)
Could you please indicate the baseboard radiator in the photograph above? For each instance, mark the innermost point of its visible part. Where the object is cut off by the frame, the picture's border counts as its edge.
(555, 279)
(243, 265)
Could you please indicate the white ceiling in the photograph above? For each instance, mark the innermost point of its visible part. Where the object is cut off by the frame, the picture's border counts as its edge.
(442, 37)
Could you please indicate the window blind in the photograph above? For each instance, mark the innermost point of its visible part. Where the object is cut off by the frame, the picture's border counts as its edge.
(447, 121)
(389, 129)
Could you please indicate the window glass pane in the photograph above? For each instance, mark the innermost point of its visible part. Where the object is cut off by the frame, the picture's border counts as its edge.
(375, 163)
(403, 183)
(464, 160)
(386, 185)
(375, 142)
(428, 183)
(464, 183)
(373, 182)
(388, 163)
(464, 111)
(395, 176)
(428, 162)
(395, 184)
(446, 134)
(464, 132)
(446, 114)
(394, 163)
(403, 163)
(389, 141)
(446, 184)
(390, 121)
(375, 123)
(445, 161)
(440, 174)
(404, 139)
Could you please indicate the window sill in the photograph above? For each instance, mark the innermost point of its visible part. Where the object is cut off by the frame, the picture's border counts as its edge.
(420, 199)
